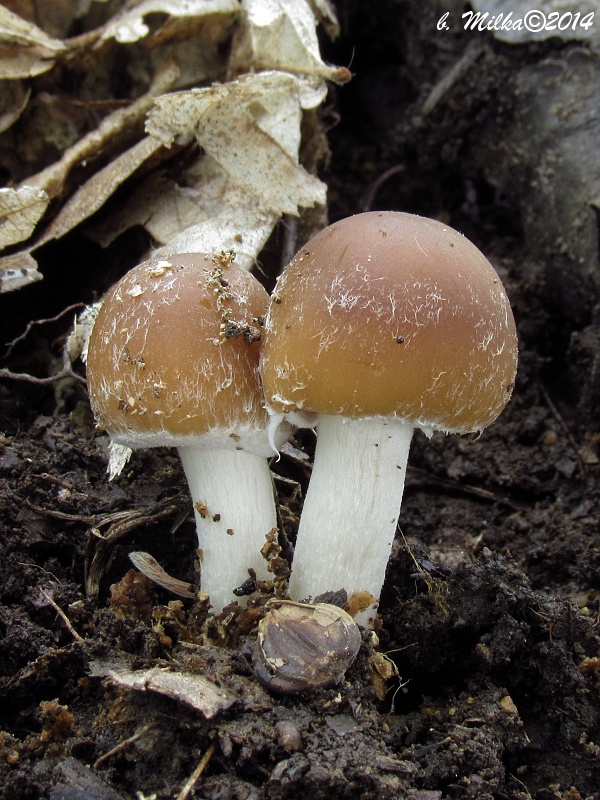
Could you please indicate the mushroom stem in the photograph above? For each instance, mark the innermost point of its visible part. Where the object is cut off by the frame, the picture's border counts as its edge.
(351, 508)
(230, 534)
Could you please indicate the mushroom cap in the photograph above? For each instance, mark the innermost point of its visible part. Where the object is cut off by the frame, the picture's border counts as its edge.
(390, 314)
(167, 358)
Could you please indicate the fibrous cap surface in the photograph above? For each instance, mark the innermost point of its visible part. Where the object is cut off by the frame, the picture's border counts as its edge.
(168, 361)
(388, 313)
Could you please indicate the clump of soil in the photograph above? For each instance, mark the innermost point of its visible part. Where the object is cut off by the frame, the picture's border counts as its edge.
(484, 678)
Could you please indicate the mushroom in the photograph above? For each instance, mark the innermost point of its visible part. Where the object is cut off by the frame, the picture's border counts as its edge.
(173, 361)
(384, 322)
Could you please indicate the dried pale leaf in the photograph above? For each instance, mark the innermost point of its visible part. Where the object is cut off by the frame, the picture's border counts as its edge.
(110, 132)
(325, 13)
(251, 128)
(15, 30)
(211, 214)
(200, 44)
(280, 34)
(20, 210)
(75, 781)
(141, 204)
(118, 457)
(195, 691)
(129, 25)
(17, 63)
(180, 115)
(90, 197)
(14, 96)
(233, 196)
(17, 271)
(150, 567)
(223, 232)
(77, 342)
(56, 17)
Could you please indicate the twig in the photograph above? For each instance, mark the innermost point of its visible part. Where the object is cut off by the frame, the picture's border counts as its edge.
(121, 746)
(49, 512)
(121, 523)
(378, 183)
(193, 779)
(31, 565)
(472, 52)
(514, 777)
(12, 345)
(46, 476)
(63, 616)
(65, 372)
(406, 646)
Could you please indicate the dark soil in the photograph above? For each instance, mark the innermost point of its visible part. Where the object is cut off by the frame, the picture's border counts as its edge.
(489, 616)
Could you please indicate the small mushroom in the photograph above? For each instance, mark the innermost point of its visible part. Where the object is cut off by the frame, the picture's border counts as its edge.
(302, 648)
(164, 370)
(384, 322)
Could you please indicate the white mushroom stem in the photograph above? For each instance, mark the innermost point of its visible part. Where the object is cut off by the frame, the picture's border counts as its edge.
(234, 506)
(351, 508)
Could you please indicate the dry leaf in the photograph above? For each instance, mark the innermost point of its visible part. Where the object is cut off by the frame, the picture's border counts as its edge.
(195, 691)
(210, 215)
(250, 174)
(95, 192)
(56, 17)
(233, 196)
(325, 12)
(282, 35)
(17, 271)
(251, 128)
(20, 210)
(138, 208)
(114, 126)
(16, 63)
(77, 342)
(129, 25)
(14, 96)
(20, 269)
(14, 30)
(150, 567)
(25, 50)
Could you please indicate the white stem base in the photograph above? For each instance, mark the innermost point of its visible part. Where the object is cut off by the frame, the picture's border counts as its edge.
(351, 507)
(234, 506)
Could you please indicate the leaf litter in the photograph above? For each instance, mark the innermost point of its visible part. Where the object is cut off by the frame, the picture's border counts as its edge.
(248, 128)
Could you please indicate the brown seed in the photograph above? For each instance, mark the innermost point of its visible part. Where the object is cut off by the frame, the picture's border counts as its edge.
(303, 648)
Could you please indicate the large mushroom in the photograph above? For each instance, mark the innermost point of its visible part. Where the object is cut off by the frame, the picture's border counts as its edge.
(173, 362)
(384, 322)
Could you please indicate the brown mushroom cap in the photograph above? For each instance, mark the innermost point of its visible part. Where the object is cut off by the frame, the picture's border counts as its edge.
(391, 314)
(168, 359)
